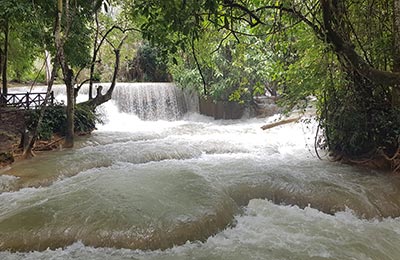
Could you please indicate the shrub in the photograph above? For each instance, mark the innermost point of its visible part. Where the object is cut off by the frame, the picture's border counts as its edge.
(54, 121)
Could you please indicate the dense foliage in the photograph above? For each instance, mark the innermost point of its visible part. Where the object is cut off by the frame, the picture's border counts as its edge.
(54, 121)
(148, 65)
(343, 52)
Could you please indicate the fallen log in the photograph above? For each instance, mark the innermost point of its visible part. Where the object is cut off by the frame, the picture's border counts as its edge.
(282, 122)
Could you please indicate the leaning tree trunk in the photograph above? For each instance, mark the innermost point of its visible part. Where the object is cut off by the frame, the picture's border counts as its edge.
(1, 65)
(94, 58)
(102, 98)
(28, 151)
(333, 20)
(5, 57)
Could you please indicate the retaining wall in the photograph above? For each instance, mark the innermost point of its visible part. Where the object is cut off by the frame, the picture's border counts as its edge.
(221, 109)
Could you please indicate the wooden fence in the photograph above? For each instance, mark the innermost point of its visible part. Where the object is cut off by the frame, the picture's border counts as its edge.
(26, 100)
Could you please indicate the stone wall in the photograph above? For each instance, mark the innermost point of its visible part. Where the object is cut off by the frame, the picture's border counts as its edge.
(266, 106)
(221, 109)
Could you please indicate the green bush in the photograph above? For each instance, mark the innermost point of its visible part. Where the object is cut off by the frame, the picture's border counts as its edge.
(54, 121)
(85, 119)
(359, 122)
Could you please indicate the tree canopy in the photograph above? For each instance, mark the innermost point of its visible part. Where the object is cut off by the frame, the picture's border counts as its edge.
(346, 53)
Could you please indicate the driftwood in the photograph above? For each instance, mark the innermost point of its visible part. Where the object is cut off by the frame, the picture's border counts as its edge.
(44, 146)
(282, 122)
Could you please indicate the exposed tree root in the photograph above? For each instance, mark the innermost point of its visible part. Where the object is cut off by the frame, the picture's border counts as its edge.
(39, 146)
(394, 161)
(379, 161)
(48, 145)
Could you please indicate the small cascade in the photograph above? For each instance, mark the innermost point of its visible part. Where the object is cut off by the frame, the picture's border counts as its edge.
(150, 101)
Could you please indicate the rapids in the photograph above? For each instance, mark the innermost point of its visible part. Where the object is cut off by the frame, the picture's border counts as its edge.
(191, 187)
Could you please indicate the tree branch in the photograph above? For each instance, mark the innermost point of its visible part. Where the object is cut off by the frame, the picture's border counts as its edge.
(297, 14)
(220, 43)
(100, 98)
(199, 68)
(252, 14)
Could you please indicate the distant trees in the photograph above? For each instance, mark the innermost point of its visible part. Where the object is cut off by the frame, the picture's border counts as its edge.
(148, 65)
(18, 39)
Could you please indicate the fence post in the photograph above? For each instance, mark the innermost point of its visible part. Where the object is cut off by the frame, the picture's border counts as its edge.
(27, 100)
(3, 100)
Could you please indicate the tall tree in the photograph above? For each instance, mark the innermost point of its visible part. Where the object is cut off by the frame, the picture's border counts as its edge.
(396, 50)
(71, 20)
(68, 77)
(9, 13)
(71, 40)
(6, 31)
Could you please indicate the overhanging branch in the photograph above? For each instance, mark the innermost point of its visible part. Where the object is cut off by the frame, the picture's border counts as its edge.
(199, 68)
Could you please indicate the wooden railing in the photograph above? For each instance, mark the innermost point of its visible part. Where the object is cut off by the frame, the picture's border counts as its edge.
(26, 100)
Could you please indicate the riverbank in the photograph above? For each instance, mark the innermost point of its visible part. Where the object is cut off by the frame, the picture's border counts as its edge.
(12, 127)
(11, 150)
(13, 134)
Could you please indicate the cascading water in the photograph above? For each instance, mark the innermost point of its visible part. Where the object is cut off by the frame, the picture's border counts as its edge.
(230, 189)
(150, 101)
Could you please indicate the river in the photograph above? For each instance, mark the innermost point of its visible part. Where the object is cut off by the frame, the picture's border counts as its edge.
(168, 183)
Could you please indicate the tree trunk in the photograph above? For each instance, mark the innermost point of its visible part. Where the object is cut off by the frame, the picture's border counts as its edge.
(396, 51)
(48, 66)
(67, 73)
(333, 18)
(100, 98)
(1, 66)
(282, 122)
(94, 58)
(68, 80)
(5, 57)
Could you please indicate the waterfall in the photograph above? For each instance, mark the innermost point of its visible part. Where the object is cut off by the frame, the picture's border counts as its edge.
(150, 101)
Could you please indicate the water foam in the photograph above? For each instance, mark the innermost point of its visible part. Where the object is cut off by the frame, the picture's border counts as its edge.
(265, 231)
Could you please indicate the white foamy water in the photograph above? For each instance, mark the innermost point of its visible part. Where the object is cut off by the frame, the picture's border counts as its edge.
(264, 231)
(196, 188)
